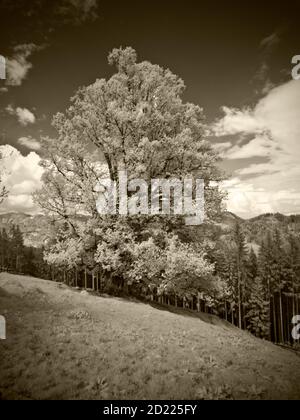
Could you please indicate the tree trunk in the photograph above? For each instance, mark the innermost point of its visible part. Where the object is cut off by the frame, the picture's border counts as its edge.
(274, 321)
(281, 317)
(269, 299)
(294, 309)
(287, 320)
(240, 302)
(85, 279)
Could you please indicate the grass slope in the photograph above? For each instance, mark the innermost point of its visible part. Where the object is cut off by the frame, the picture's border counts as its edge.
(64, 344)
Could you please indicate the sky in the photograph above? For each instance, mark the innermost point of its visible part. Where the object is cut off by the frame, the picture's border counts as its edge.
(235, 59)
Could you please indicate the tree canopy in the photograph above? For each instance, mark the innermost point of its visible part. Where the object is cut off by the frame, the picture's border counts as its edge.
(136, 122)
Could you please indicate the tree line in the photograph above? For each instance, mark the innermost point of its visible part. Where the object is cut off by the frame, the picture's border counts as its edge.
(17, 258)
(263, 288)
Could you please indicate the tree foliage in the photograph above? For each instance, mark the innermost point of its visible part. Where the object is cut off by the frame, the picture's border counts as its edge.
(3, 190)
(136, 121)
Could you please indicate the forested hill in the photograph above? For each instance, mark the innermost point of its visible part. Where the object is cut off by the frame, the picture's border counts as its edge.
(32, 227)
(255, 229)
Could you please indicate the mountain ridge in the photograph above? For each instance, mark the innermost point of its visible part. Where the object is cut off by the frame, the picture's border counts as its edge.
(33, 226)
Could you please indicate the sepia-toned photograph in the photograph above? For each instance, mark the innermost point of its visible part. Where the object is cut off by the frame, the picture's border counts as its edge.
(149, 203)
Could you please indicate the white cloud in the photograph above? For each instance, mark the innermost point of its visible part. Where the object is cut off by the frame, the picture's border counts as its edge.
(18, 65)
(22, 176)
(222, 147)
(248, 200)
(267, 87)
(30, 143)
(236, 121)
(245, 200)
(274, 124)
(25, 117)
(260, 146)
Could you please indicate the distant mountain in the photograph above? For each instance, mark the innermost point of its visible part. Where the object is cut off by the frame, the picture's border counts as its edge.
(229, 219)
(277, 217)
(256, 229)
(32, 227)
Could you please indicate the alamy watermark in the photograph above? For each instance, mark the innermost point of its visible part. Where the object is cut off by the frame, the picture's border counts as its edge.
(296, 329)
(296, 69)
(159, 197)
(2, 67)
(2, 328)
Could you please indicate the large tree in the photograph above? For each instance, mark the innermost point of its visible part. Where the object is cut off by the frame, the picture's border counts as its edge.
(136, 122)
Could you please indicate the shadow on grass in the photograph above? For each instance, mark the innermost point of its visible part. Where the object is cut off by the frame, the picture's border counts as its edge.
(207, 318)
(4, 293)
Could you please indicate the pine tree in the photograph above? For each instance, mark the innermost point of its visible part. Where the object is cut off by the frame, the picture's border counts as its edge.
(16, 248)
(241, 257)
(279, 277)
(251, 274)
(258, 314)
(265, 275)
(3, 190)
(294, 266)
(4, 247)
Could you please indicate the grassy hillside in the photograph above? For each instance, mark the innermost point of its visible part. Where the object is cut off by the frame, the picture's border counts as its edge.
(65, 344)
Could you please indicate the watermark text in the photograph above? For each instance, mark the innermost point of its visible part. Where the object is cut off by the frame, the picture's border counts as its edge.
(159, 197)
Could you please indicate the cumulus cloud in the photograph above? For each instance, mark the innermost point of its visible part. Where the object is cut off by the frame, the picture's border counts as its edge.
(247, 199)
(236, 121)
(221, 148)
(274, 124)
(18, 65)
(261, 146)
(275, 118)
(25, 117)
(30, 143)
(22, 176)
